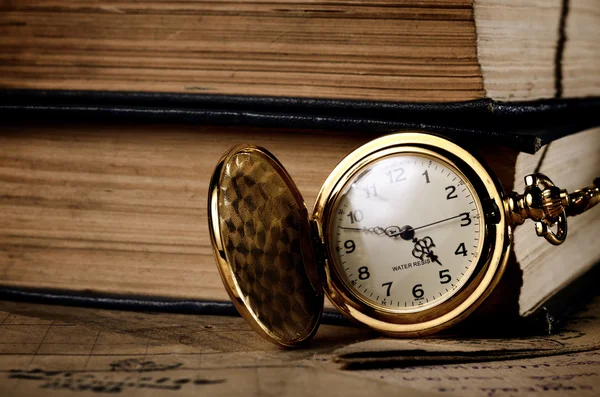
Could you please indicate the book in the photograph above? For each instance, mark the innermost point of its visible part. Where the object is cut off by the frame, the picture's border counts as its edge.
(408, 50)
(120, 210)
(544, 284)
(95, 208)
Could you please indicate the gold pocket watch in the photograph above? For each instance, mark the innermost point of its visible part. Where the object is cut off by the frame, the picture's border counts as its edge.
(409, 234)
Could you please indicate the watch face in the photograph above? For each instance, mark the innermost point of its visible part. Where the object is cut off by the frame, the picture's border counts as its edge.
(406, 232)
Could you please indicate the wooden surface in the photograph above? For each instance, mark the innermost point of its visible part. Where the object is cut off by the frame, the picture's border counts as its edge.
(389, 50)
(58, 351)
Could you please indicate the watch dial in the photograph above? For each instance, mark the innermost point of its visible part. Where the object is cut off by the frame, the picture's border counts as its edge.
(407, 232)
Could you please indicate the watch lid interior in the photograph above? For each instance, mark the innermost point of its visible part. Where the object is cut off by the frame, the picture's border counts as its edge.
(261, 237)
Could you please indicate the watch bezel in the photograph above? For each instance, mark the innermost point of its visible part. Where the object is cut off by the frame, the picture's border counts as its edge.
(488, 269)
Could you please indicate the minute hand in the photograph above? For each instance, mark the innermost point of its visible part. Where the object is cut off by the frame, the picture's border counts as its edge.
(435, 223)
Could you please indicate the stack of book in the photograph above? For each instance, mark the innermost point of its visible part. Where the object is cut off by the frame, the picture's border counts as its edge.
(99, 209)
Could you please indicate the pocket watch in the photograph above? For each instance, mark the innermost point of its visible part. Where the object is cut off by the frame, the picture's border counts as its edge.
(409, 235)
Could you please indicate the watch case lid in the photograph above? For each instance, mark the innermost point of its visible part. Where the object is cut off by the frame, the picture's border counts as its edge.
(261, 239)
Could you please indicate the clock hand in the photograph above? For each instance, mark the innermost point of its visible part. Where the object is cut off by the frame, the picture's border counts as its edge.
(377, 230)
(423, 247)
(405, 232)
(435, 223)
(390, 231)
(408, 232)
(434, 258)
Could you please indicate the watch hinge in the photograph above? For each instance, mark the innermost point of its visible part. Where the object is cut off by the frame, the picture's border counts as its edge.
(318, 246)
(491, 211)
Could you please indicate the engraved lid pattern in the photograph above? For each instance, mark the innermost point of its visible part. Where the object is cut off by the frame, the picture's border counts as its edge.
(261, 224)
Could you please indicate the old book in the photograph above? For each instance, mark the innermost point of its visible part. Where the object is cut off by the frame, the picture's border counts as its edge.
(120, 210)
(408, 50)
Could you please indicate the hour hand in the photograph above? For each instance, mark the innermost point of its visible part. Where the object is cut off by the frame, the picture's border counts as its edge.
(405, 232)
(424, 248)
(390, 231)
(434, 258)
(377, 229)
